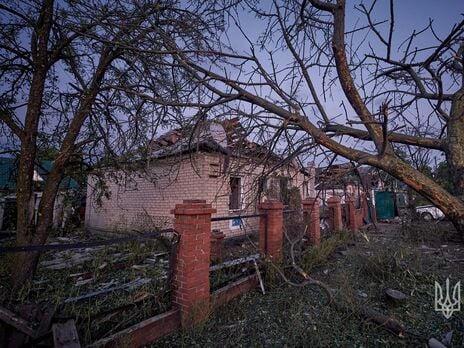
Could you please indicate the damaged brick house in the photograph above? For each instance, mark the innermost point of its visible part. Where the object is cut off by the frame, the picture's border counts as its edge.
(217, 164)
(339, 180)
(347, 180)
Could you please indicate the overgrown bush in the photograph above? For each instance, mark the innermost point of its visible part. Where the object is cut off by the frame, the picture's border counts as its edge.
(318, 256)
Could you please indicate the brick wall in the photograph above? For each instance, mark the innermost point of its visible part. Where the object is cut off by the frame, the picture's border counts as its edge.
(191, 297)
(144, 201)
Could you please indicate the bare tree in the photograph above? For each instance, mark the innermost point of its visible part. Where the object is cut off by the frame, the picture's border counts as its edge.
(305, 57)
(71, 72)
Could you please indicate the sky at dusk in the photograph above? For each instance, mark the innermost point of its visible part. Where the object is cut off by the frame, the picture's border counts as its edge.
(409, 15)
(413, 14)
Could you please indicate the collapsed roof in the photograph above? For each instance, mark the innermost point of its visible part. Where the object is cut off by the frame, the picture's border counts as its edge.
(228, 137)
(337, 176)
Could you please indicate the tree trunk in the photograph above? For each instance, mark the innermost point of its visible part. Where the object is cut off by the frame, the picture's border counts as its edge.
(24, 181)
(452, 206)
(28, 261)
(38, 236)
(455, 143)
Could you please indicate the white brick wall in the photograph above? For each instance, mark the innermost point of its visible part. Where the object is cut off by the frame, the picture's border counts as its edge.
(145, 203)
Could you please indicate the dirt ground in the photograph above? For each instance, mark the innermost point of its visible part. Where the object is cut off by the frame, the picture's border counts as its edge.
(358, 269)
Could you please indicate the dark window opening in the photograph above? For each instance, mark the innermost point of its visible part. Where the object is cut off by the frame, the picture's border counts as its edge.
(305, 189)
(262, 187)
(285, 184)
(235, 193)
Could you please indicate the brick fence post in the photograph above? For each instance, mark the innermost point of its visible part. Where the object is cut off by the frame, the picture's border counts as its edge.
(312, 220)
(217, 244)
(351, 213)
(271, 228)
(190, 281)
(365, 207)
(335, 209)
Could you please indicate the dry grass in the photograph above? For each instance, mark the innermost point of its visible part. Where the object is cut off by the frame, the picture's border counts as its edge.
(358, 274)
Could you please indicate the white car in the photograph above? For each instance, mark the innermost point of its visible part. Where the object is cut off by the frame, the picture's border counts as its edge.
(430, 212)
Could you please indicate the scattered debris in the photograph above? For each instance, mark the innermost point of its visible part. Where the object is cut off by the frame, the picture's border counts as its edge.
(16, 321)
(62, 263)
(362, 294)
(46, 321)
(81, 282)
(65, 239)
(129, 286)
(239, 261)
(108, 315)
(447, 338)
(81, 274)
(65, 335)
(434, 343)
(106, 285)
(396, 296)
(455, 260)
(261, 284)
(384, 321)
(395, 220)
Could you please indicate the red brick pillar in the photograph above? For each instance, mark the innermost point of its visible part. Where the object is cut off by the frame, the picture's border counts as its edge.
(271, 228)
(351, 213)
(335, 209)
(312, 220)
(217, 244)
(190, 282)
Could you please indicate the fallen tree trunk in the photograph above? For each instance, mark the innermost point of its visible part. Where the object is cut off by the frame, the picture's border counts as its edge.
(370, 314)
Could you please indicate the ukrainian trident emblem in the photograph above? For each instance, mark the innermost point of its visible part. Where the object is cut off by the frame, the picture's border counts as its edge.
(445, 303)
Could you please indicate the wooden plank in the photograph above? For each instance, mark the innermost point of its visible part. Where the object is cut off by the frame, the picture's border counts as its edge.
(143, 333)
(235, 262)
(129, 286)
(65, 335)
(16, 321)
(46, 321)
(109, 314)
(261, 283)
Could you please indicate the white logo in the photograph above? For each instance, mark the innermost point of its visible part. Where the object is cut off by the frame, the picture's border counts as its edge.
(446, 304)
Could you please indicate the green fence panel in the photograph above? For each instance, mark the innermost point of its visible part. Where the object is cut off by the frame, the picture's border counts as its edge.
(385, 205)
